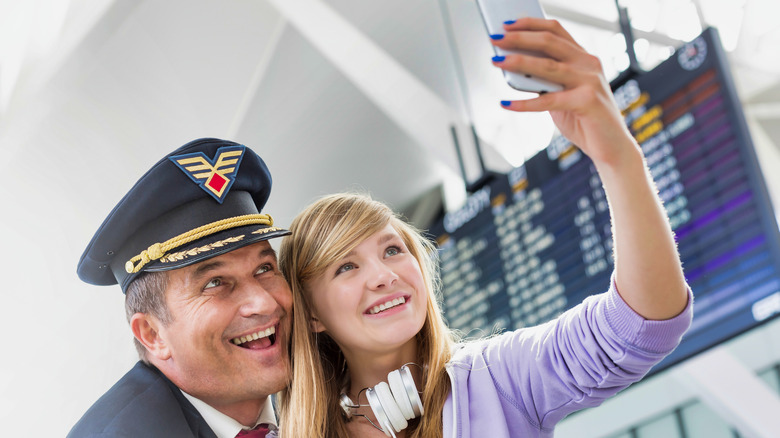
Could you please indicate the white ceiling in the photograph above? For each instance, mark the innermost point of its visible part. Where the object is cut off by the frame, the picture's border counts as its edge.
(333, 94)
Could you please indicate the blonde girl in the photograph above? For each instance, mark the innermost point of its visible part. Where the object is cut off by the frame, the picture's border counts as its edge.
(365, 293)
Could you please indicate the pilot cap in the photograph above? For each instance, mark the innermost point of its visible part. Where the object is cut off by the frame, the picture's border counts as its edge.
(202, 200)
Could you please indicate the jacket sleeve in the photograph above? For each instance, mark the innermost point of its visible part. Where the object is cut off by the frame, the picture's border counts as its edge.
(586, 355)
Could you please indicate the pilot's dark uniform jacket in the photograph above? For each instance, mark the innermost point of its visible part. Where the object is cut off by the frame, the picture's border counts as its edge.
(143, 403)
(200, 201)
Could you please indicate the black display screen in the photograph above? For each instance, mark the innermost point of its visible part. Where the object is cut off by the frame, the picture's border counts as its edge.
(536, 241)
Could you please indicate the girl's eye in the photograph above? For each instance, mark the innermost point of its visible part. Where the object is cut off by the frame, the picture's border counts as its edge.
(344, 268)
(393, 250)
(213, 283)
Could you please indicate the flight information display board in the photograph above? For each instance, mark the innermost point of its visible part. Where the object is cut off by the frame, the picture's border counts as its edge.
(534, 242)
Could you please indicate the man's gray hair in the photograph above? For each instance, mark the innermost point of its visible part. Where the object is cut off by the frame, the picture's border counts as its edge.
(146, 294)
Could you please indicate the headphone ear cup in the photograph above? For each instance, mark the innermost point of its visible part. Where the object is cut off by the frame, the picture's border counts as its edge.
(393, 412)
(411, 391)
(396, 384)
(379, 412)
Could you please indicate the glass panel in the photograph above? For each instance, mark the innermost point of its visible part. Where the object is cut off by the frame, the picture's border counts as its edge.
(702, 422)
(772, 378)
(665, 426)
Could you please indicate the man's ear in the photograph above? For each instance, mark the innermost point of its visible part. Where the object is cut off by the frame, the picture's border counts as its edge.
(316, 325)
(146, 328)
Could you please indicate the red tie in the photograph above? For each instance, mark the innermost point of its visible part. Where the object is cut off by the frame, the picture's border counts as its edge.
(258, 432)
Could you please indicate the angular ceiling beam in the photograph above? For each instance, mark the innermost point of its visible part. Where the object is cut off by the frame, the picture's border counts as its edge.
(405, 99)
(257, 78)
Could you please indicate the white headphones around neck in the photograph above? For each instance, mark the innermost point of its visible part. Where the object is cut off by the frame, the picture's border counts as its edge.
(393, 402)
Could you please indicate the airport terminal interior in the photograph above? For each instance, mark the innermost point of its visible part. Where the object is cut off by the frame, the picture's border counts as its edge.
(399, 99)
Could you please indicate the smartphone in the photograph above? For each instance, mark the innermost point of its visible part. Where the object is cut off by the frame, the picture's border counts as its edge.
(494, 14)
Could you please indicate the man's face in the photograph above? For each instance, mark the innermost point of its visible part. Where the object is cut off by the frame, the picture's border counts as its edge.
(227, 343)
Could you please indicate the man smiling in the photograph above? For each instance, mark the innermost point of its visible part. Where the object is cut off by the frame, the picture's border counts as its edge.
(206, 302)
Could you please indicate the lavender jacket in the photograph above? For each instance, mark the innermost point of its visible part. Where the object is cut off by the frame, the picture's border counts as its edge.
(521, 383)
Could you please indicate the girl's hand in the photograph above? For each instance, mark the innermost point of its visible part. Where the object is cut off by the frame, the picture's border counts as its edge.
(585, 111)
(647, 267)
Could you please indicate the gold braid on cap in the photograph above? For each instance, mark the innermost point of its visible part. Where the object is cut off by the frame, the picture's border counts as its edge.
(158, 250)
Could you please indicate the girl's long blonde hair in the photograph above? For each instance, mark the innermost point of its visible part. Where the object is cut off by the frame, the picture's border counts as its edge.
(322, 234)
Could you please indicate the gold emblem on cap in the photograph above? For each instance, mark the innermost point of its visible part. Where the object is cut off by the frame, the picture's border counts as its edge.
(216, 179)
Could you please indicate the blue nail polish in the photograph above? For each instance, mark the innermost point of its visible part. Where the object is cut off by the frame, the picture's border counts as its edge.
(499, 58)
(497, 36)
(506, 103)
(510, 22)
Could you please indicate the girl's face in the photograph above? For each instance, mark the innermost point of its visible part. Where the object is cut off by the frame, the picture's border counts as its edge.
(374, 299)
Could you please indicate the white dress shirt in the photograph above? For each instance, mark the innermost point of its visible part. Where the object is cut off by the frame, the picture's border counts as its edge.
(226, 427)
